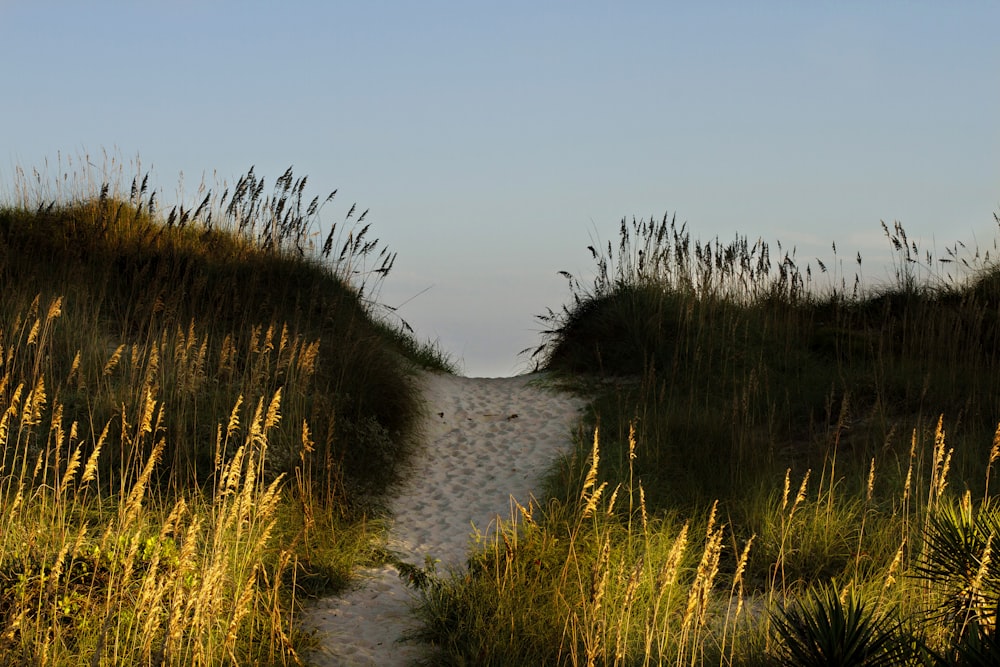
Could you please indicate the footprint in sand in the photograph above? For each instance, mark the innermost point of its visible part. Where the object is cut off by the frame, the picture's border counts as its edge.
(485, 440)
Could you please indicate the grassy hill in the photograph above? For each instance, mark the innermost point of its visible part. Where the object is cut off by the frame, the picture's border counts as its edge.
(782, 472)
(200, 411)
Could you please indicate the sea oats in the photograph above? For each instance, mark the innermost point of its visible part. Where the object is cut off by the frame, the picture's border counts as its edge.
(72, 465)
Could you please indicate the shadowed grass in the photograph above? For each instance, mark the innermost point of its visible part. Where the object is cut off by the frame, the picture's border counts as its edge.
(747, 367)
(200, 413)
(808, 423)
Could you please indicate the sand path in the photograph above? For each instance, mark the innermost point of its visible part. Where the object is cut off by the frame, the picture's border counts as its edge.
(485, 440)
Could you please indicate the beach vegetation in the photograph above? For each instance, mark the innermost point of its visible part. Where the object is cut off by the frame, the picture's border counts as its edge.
(788, 466)
(201, 409)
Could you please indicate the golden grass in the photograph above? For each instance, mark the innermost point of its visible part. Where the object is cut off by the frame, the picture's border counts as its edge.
(131, 577)
(603, 581)
(197, 414)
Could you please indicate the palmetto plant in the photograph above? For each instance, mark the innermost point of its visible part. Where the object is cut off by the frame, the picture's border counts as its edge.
(826, 628)
(960, 561)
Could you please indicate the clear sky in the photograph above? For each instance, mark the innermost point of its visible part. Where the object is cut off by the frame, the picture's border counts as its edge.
(492, 142)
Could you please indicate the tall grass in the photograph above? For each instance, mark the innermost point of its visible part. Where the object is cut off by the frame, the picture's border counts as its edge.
(212, 308)
(102, 569)
(200, 413)
(750, 363)
(835, 577)
(782, 466)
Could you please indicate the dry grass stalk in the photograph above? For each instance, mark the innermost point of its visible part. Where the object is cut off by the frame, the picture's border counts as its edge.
(736, 591)
(994, 456)
(700, 591)
(663, 589)
(625, 609)
(940, 463)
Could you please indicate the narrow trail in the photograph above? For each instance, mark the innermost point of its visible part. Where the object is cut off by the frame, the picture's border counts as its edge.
(485, 440)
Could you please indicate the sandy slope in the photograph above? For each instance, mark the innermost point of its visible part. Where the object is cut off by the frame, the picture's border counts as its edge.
(485, 441)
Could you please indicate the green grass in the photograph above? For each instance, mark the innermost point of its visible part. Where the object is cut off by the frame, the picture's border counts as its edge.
(200, 413)
(826, 429)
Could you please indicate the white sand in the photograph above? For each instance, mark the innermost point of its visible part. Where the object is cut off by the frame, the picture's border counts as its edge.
(486, 440)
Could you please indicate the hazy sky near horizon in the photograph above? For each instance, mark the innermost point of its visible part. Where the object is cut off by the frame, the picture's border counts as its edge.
(493, 142)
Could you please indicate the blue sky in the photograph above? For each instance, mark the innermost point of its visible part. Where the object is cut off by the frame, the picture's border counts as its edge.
(492, 142)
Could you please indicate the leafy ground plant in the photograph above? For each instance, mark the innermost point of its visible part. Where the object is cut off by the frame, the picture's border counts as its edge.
(761, 438)
(825, 627)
